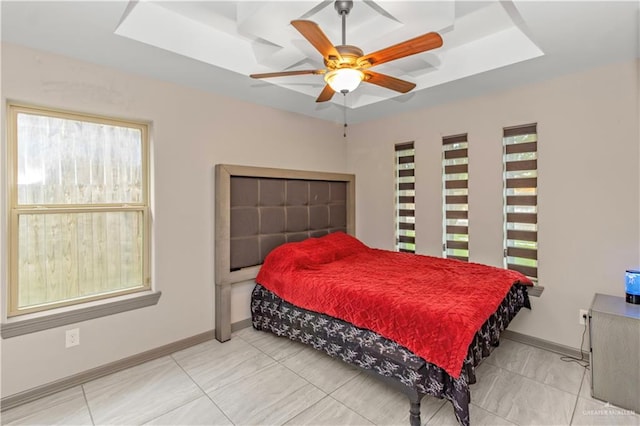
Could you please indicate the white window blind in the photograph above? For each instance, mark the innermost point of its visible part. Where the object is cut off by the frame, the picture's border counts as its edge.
(521, 199)
(455, 178)
(79, 208)
(405, 197)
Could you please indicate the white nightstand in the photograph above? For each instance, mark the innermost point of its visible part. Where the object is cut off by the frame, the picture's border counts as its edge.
(614, 332)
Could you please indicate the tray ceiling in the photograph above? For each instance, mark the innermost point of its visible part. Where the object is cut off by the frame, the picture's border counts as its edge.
(256, 37)
(213, 46)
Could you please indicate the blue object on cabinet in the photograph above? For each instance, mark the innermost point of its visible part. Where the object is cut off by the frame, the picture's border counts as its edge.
(632, 286)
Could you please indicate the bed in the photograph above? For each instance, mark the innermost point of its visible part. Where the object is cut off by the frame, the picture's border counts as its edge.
(423, 327)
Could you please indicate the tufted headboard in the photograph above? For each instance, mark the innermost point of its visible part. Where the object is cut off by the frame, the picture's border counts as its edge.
(268, 212)
(258, 209)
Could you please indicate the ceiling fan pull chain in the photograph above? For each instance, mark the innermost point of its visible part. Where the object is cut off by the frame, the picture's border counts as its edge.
(344, 109)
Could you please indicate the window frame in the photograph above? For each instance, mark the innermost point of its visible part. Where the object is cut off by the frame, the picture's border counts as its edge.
(515, 184)
(448, 183)
(400, 212)
(16, 210)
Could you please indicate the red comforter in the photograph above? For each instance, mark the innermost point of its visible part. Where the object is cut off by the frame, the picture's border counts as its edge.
(430, 305)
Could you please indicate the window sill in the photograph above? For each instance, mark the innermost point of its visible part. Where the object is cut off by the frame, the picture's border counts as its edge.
(26, 324)
(535, 291)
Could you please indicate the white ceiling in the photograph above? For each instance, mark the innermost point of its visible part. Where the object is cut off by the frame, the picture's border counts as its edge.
(214, 45)
(256, 37)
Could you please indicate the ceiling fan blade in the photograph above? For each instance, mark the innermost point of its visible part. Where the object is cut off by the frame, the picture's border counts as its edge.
(387, 81)
(286, 73)
(326, 94)
(407, 48)
(312, 32)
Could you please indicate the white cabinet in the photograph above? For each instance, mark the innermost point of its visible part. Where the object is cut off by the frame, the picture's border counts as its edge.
(614, 331)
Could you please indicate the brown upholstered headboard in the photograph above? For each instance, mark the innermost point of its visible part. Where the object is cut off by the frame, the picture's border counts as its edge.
(268, 212)
(257, 209)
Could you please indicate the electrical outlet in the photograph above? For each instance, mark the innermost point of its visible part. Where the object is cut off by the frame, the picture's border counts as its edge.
(72, 338)
(583, 316)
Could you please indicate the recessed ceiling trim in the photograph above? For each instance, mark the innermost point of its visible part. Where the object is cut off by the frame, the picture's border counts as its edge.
(262, 40)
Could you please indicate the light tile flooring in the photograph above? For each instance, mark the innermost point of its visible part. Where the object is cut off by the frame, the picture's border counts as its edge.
(260, 379)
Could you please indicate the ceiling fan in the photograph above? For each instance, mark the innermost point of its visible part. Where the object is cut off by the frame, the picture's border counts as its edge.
(347, 66)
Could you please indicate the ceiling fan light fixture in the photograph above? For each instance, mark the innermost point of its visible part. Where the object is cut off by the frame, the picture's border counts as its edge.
(344, 62)
(344, 80)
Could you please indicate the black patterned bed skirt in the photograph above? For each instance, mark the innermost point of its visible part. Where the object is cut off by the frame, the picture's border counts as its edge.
(370, 351)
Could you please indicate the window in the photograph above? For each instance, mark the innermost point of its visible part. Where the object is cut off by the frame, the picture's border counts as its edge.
(79, 208)
(521, 199)
(405, 198)
(455, 178)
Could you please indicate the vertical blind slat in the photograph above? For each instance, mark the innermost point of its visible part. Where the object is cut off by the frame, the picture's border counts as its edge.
(448, 140)
(526, 129)
(404, 146)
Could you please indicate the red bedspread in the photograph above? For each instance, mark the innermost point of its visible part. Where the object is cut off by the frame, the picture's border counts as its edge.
(430, 305)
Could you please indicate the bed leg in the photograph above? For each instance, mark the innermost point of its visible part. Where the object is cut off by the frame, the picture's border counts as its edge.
(414, 414)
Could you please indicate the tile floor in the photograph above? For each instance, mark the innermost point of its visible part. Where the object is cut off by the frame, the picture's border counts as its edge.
(260, 379)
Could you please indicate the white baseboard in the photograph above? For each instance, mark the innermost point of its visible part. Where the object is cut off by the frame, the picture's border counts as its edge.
(113, 367)
(545, 344)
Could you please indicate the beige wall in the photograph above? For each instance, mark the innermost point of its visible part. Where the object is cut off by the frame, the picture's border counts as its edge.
(192, 131)
(588, 129)
(589, 192)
